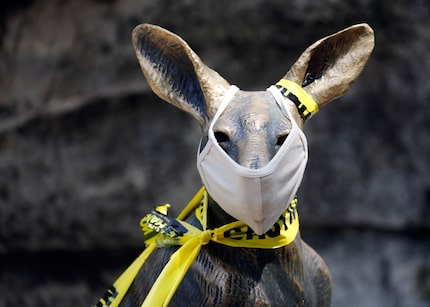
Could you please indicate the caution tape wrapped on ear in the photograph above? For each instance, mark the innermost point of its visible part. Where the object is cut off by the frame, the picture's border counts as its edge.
(303, 101)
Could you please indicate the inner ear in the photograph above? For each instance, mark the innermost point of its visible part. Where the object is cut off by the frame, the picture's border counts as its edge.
(325, 56)
(318, 65)
(176, 73)
(167, 64)
(177, 68)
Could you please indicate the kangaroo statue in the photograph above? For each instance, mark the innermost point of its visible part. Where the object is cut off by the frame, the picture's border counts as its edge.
(251, 159)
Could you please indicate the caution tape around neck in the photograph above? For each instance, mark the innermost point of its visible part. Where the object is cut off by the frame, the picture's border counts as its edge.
(162, 231)
(303, 101)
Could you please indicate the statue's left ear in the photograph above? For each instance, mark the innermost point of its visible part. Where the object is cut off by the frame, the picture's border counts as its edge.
(328, 67)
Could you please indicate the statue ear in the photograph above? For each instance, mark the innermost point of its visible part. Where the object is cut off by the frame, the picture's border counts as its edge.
(328, 67)
(176, 74)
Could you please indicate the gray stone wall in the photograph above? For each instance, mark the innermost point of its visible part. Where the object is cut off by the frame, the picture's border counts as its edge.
(86, 149)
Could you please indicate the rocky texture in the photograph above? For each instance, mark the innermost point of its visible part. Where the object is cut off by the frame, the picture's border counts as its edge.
(375, 268)
(86, 149)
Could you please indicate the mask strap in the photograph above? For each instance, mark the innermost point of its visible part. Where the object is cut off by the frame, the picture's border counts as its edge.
(280, 100)
(303, 101)
(228, 96)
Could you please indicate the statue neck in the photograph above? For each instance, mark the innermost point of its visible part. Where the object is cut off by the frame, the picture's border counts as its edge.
(217, 217)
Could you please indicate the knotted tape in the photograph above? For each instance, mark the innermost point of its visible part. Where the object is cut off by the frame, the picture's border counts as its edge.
(162, 231)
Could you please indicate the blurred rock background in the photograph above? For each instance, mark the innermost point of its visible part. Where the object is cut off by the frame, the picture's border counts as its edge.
(86, 149)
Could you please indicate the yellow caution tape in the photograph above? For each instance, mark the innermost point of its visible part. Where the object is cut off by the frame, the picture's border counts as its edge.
(163, 231)
(303, 101)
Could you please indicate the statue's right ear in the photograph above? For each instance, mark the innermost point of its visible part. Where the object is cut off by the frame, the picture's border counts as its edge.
(176, 74)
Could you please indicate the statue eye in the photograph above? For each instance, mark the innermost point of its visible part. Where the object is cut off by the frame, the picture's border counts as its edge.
(221, 137)
(281, 139)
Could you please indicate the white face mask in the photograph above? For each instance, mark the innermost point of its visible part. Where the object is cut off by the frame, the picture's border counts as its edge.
(256, 197)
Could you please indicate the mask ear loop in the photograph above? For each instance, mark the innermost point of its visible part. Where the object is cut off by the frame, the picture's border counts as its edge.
(280, 100)
(228, 96)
